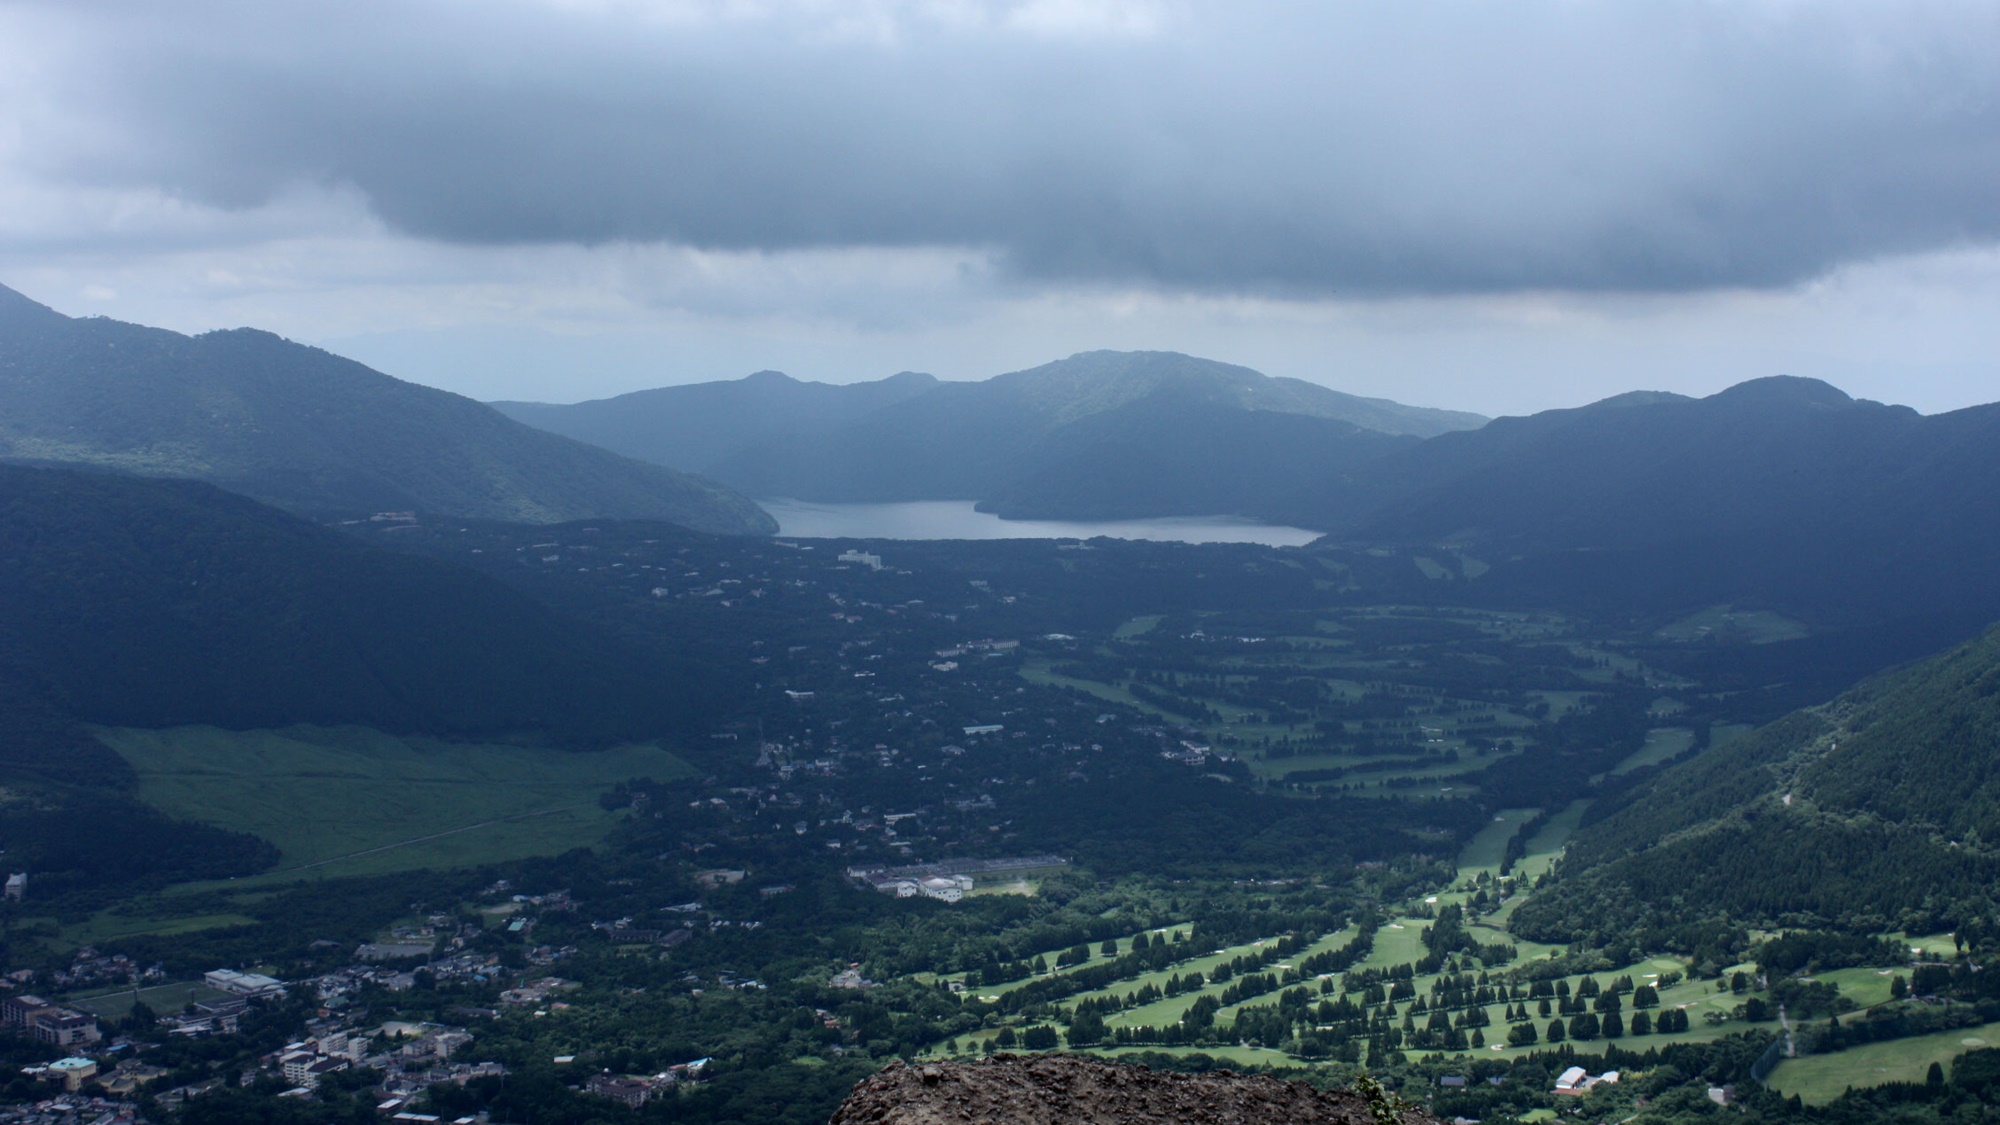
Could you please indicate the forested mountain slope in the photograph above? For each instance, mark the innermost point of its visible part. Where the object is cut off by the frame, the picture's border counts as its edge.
(308, 430)
(1097, 435)
(130, 601)
(1879, 810)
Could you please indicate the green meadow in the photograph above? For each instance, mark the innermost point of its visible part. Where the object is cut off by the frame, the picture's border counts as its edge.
(1818, 1079)
(355, 801)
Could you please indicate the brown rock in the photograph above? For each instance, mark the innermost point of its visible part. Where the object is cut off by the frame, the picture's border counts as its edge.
(1080, 1090)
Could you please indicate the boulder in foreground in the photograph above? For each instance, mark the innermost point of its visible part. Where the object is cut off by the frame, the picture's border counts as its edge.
(1078, 1090)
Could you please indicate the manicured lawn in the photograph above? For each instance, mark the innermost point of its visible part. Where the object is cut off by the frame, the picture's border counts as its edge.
(1818, 1079)
(1485, 851)
(1661, 743)
(1542, 848)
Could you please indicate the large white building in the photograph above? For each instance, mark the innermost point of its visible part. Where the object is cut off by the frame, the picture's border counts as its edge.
(244, 984)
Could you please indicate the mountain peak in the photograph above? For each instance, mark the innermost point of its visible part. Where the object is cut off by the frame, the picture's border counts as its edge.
(1785, 390)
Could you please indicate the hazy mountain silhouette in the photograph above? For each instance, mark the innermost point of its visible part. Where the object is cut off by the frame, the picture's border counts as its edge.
(1783, 490)
(308, 430)
(1100, 435)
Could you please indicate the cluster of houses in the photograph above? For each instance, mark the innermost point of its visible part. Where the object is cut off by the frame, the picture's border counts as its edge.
(636, 1091)
(72, 1111)
(89, 967)
(419, 1058)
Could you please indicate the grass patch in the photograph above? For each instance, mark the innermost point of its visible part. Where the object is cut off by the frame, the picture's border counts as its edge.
(355, 801)
(1819, 1079)
(1546, 844)
(1661, 744)
(1485, 850)
(110, 925)
(1724, 624)
(1138, 626)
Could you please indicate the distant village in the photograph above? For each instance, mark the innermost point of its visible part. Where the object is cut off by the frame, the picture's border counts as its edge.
(96, 1083)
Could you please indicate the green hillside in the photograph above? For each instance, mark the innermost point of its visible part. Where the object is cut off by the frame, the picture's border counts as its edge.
(1877, 811)
(308, 430)
(141, 602)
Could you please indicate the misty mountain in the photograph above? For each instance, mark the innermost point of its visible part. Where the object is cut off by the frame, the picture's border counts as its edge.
(1097, 435)
(1782, 491)
(308, 430)
(140, 602)
(1872, 811)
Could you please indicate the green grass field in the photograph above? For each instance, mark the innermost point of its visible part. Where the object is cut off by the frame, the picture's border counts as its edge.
(110, 925)
(164, 999)
(1818, 1079)
(355, 801)
(1485, 850)
(1546, 844)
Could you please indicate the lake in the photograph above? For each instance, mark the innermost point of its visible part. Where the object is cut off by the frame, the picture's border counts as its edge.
(956, 519)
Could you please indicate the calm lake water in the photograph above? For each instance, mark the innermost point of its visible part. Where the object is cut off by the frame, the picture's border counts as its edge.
(955, 519)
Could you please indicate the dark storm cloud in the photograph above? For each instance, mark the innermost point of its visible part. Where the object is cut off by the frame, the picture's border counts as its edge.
(1364, 148)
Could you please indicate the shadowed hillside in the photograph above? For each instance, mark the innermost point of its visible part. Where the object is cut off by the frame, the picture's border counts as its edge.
(152, 603)
(1875, 810)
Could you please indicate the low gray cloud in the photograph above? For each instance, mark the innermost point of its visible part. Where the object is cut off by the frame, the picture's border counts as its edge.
(1358, 149)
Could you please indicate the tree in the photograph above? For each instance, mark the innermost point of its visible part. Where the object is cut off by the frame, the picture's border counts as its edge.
(1556, 1032)
(1521, 1035)
(1899, 988)
(1085, 1029)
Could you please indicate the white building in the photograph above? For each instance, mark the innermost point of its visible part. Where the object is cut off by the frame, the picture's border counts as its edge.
(244, 984)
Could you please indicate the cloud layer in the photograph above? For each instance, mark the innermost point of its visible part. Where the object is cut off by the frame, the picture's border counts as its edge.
(1273, 149)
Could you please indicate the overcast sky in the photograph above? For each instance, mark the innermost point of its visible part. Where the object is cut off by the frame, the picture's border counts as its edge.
(1492, 206)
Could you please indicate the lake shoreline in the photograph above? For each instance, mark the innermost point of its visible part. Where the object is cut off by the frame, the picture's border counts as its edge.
(958, 519)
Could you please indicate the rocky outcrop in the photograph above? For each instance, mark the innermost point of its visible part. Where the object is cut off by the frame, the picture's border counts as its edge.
(1078, 1090)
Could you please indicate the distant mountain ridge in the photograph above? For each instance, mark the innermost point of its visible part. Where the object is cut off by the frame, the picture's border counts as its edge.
(308, 430)
(1783, 491)
(1098, 435)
